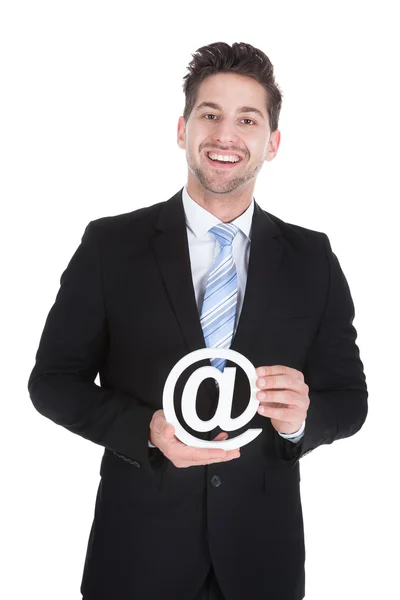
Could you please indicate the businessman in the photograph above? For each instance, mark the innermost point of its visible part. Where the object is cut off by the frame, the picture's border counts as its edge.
(206, 268)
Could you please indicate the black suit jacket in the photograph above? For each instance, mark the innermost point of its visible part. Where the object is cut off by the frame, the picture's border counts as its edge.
(126, 309)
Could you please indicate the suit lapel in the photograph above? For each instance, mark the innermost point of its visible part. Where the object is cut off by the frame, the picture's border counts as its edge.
(264, 262)
(172, 254)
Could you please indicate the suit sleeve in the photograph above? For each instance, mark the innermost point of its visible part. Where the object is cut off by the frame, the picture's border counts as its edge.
(72, 349)
(333, 372)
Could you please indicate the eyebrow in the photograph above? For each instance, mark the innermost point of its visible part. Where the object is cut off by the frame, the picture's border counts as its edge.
(242, 109)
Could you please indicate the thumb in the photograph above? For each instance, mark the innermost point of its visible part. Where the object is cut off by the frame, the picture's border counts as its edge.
(169, 431)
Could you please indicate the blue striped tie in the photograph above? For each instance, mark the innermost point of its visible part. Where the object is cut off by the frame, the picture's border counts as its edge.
(219, 305)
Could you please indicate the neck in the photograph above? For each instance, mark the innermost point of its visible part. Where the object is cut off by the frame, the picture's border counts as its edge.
(226, 207)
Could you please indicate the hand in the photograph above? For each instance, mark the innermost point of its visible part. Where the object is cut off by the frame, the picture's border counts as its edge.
(284, 397)
(162, 435)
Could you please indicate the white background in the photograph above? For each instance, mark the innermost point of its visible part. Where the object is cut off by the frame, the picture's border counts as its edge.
(91, 94)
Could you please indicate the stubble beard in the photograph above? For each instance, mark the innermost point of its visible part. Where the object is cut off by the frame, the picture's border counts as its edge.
(221, 187)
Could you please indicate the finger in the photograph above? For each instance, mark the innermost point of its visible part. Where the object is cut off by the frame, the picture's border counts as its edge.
(279, 370)
(280, 397)
(169, 431)
(221, 436)
(232, 456)
(282, 382)
(203, 455)
(280, 413)
(158, 421)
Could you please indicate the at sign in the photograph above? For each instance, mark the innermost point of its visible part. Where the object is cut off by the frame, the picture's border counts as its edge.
(222, 418)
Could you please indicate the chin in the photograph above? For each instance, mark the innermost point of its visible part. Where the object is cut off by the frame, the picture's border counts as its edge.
(221, 188)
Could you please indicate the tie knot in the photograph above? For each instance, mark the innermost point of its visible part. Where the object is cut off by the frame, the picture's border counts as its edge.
(224, 232)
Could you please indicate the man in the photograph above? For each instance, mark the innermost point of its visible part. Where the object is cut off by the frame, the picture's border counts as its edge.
(173, 521)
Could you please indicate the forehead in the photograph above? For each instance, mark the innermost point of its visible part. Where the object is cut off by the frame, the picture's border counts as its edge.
(232, 91)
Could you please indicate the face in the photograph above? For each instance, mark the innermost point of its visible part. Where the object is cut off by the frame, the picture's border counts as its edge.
(227, 137)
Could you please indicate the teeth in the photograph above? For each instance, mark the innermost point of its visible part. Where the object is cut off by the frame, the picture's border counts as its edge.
(231, 159)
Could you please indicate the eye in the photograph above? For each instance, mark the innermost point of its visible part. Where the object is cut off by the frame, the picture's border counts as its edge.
(212, 117)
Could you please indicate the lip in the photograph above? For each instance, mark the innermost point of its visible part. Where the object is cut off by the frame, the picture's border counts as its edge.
(222, 166)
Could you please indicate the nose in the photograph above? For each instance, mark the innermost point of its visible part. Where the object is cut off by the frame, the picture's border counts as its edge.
(225, 133)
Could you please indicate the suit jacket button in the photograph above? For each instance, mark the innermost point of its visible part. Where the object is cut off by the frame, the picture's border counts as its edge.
(215, 480)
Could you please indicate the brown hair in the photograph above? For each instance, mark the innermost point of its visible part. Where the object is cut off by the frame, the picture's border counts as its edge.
(239, 58)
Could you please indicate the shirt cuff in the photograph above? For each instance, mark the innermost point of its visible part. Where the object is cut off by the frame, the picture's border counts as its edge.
(296, 436)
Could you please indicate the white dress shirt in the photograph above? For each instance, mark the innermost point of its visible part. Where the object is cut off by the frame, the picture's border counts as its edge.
(203, 249)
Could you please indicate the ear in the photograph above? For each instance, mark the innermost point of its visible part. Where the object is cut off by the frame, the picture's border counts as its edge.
(181, 138)
(273, 145)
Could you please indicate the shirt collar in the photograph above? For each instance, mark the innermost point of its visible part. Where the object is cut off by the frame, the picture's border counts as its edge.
(200, 220)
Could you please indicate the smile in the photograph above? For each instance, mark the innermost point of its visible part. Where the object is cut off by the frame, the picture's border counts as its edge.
(222, 161)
